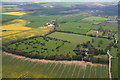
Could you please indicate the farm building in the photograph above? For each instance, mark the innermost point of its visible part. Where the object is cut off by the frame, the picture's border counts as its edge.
(50, 23)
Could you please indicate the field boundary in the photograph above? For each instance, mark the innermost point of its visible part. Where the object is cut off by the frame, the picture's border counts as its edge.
(81, 63)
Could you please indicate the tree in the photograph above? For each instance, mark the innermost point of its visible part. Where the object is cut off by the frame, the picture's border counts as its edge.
(92, 40)
(77, 57)
(101, 42)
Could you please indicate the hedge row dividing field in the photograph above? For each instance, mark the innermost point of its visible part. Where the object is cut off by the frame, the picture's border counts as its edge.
(28, 69)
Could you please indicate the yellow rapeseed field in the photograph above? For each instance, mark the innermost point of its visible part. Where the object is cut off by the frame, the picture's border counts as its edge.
(15, 13)
(5, 33)
(17, 24)
(26, 34)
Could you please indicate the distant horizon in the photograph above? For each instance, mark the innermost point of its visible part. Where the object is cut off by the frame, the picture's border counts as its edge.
(59, 1)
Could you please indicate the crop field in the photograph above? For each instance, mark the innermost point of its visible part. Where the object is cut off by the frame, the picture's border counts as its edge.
(6, 33)
(115, 68)
(26, 34)
(59, 40)
(15, 13)
(6, 18)
(17, 24)
(28, 69)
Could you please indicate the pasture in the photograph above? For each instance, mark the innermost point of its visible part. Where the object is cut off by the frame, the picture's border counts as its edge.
(47, 47)
(95, 19)
(79, 39)
(24, 68)
(114, 51)
(75, 27)
(101, 43)
(38, 20)
(74, 38)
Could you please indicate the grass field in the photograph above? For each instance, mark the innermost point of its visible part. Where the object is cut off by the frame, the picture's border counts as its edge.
(114, 51)
(79, 39)
(74, 38)
(28, 69)
(103, 45)
(38, 20)
(95, 19)
(44, 46)
(72, 18)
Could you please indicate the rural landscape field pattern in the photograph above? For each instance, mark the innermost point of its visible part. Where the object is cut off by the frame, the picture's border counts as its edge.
(59, 40)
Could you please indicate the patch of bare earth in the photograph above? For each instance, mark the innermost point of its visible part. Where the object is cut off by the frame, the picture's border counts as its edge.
(79, 63)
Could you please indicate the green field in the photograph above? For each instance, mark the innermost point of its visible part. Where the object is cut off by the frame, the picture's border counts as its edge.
(95, 19)
(28, 69)
(38, 20)
(6, 18)
(115, 68)
(79, 39)
(114, 51)
(71, 18)
(75, 47)
(75, 27)
(43, 46)
(74, 38)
